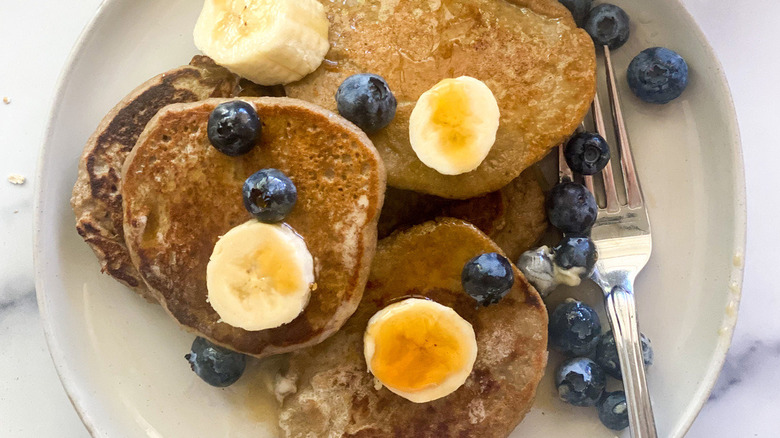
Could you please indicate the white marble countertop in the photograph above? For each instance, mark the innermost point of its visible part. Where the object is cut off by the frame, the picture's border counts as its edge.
(37, 36)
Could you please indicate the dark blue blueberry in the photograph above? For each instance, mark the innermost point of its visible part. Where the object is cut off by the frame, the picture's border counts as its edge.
(217, 366)
(586, 153)
(576, 252)
(613, 410)
(366, 100)
(579, 9)
(234, 127)
(608, 25)
(607, 354)
(574, 328)
(269, 195)
(571, 208)
(580, 381)
(487, 278)
(657, 75)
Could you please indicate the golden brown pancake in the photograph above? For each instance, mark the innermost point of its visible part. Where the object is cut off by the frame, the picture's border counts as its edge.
(539, 65)
(96, 199)
(180, 194)
(336, 396)
(513, 217)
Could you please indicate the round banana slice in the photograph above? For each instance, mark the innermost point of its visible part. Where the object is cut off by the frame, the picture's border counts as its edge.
(454, 124)
(269, 42)
(259, 276)
(420, 349)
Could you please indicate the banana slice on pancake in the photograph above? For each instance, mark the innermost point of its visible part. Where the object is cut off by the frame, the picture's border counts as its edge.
(270, 42)
(453, 125)
(259, 276)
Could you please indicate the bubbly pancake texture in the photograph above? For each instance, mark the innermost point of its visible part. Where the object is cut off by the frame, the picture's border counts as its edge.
(337, 397)
(97, 201)
(530, 53)
(180, 194)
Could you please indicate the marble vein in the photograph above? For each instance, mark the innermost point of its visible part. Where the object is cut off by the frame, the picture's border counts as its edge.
(17, 293)
(741, 363)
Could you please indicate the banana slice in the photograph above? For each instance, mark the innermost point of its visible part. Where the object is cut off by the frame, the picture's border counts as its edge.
(259, 276)
(269, 42)
(454, 124)
(419, 349)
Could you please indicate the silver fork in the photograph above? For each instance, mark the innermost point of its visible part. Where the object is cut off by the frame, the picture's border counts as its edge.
(622, 237)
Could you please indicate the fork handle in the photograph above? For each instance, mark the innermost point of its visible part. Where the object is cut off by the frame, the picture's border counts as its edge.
(621, 309)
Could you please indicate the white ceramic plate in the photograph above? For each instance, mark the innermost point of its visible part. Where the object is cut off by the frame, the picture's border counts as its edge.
(121, 359)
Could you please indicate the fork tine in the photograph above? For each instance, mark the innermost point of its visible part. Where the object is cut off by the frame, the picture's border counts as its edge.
(633, 192)
(563, 168)
(613, 205)
(589, 183)
(564, 172)
(588, 179)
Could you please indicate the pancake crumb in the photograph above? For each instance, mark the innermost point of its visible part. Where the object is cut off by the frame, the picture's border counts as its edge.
(16, 179)
(6, 100)
(284, 386)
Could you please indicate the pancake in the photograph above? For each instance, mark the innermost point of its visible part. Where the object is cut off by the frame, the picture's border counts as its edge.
(335, 395)
(180, 194)
(513, 217)
(530, 53)
(96, 199)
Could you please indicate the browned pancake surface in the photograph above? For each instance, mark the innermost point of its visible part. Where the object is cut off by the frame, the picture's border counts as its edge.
(540, 67)
(337, 397)
(181, 194)
(513, 217)
(96, 199)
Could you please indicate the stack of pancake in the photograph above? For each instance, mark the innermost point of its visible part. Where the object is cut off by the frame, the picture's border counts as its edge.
(152, 198)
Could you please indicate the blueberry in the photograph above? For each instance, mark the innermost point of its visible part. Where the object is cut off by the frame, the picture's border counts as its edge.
(269, 195)
(657, 75)
(586, 153)
(580, 381)
(607, 354)
(366, 100)
(613, 410)
(217, 366)
(576, 252)
(574, 328)
(608, 25)
(234, 127)
(579, 9)
(571, 207)
(487, 278)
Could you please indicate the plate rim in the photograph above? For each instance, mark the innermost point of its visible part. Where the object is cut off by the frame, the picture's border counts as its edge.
(65, 374)
(710, 377)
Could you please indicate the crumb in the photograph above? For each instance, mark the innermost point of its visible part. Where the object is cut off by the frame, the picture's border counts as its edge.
(284, 386)
(17, 179)
(6, 100)
(16, 211)
(731, 309)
